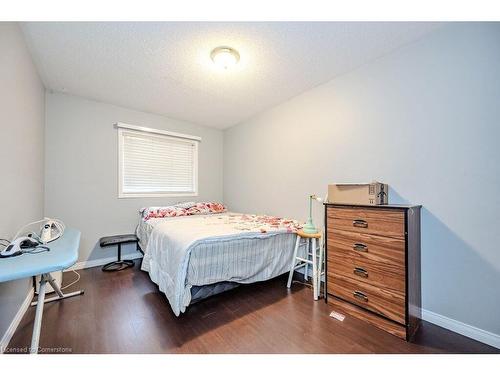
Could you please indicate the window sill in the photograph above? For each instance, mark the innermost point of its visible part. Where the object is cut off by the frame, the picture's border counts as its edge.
(156, 195)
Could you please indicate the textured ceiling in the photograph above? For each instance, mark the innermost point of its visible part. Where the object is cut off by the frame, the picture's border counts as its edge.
(165, 68)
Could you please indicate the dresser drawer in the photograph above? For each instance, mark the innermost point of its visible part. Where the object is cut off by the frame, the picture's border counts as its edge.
(378, 221)
(386, 252)
(388, 303)
(375, 274)
(387, 325)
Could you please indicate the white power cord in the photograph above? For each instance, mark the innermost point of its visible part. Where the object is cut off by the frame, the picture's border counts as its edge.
(56, 222)
(27, 225)
(73, 282)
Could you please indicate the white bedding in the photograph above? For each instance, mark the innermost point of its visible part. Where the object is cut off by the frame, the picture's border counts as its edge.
(204, 249)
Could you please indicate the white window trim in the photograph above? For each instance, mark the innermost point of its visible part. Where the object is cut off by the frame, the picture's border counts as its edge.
(122, 125)
(126, 128)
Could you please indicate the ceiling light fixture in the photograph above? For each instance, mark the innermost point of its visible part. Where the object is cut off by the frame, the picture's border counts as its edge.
(225, 57)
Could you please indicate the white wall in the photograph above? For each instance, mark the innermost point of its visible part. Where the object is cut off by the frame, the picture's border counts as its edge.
(81, 163)
(21, 152)
(424, 119)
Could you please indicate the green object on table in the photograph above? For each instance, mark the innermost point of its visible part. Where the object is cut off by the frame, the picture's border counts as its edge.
(309, 226)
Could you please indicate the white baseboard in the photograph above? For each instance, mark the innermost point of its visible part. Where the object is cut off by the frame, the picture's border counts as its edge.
(101, 262)
(15, 322)
(462, 328)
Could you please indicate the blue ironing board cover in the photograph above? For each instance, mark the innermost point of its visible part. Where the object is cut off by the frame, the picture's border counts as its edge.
(63, 254)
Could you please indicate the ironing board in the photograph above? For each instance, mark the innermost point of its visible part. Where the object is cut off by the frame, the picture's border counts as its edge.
(63, 253)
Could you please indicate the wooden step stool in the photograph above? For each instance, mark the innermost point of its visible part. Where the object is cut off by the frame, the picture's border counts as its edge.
(314, 257)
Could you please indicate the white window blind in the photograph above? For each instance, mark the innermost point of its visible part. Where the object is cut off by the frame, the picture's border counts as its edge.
(156, 164)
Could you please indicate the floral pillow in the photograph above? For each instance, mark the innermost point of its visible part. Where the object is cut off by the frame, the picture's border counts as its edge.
(182, 209)
(204, 208)
(159, 212)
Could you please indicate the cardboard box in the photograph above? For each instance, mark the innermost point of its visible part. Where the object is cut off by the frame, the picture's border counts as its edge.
(373, 193)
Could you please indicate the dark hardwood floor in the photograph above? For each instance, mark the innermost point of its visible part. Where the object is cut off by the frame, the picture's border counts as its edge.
(124, 312)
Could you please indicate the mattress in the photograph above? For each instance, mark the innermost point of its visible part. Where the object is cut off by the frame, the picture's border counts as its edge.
(199, 293)
(243, 257)
(143, 231)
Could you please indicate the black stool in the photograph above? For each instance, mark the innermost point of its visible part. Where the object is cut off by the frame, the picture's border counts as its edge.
(119, 240)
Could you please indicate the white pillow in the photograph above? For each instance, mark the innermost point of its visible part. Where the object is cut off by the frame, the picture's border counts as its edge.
(185, 205)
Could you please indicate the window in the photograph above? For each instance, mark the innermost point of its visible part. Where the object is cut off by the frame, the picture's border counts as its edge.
(155, 163)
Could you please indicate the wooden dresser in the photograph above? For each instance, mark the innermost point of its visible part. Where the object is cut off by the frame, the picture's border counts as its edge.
(373, 264)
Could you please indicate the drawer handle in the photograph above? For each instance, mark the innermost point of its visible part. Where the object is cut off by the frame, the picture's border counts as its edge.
(360, 247)
(359, 223)
(358, 271)
(360, 295)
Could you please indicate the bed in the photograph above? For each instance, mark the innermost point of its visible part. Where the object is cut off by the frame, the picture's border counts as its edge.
(194, 256)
